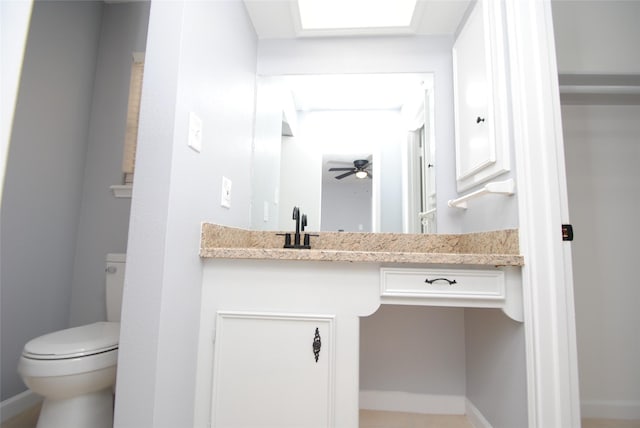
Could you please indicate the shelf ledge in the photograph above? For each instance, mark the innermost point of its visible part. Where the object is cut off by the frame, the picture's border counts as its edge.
(121, 190)
(506, 187)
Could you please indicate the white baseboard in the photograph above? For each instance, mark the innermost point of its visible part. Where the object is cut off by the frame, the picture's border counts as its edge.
(17, 404)
(610, 409)
(476, 418)
(397, 401)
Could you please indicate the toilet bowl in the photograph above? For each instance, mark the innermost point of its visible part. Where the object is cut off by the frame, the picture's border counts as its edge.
(75, 369)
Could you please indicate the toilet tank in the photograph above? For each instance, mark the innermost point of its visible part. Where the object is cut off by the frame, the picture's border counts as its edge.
(114, 270)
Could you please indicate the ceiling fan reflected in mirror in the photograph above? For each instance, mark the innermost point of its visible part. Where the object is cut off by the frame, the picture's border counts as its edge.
(361, 169)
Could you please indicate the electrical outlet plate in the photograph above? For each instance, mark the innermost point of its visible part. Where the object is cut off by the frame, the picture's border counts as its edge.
(225, 200)
(195, 132)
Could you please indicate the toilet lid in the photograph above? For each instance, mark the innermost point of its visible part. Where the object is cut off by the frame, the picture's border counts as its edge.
(75, 342)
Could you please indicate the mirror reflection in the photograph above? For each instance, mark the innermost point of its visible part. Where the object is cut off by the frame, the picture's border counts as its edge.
(346, 198)
(354, 151)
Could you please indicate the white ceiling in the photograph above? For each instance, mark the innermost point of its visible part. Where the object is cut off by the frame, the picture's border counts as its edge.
(279, 19)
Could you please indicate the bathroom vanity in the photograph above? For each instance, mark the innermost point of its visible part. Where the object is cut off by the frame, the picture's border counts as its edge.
(279, 339)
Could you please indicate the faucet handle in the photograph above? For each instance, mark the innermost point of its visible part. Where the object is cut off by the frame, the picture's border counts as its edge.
(287, 239)
(307, 239)
(303, 222)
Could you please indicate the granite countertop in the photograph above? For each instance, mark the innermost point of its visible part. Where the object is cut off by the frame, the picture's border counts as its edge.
(497, 248)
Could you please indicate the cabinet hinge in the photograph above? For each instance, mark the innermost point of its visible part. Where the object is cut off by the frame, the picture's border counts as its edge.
(567, 232)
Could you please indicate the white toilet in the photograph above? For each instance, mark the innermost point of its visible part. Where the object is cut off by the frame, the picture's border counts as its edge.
(75, 369)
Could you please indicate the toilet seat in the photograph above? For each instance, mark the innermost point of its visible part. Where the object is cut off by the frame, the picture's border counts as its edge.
(76, 342)
(35, 367)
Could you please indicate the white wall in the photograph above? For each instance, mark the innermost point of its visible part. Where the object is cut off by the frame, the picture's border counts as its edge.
(14, 25)
(43, 184)
(201, 57)
(381, 55)
(104, 220)
(602, 145)
(597, 37)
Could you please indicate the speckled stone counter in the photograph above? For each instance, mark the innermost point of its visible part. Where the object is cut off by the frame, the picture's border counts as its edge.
(498, 248)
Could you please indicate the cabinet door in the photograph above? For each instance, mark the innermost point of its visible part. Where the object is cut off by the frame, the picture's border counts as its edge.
(482, 133)
(266, 373)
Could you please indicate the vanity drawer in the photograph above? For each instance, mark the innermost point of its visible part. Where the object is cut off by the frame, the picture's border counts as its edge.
(474, 284)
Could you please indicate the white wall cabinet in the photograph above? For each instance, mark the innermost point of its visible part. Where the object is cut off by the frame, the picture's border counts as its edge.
(480, 90)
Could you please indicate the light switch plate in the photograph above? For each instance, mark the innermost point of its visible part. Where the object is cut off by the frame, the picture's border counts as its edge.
(195, 132)
(225, 200)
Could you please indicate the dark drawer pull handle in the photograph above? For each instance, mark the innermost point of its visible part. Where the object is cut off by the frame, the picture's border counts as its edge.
(317, 344)
(431, 281)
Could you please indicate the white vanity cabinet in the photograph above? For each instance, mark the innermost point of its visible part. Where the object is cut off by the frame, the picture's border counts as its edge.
(256, 360)
(264, 322)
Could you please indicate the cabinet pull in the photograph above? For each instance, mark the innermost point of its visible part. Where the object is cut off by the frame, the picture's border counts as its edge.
(431, 281)
(317, 344)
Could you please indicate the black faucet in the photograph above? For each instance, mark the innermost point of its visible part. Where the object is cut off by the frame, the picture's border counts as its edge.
(301, 223)
(296, 217)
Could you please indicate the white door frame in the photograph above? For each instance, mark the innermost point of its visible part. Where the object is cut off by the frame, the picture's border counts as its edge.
(552, 374)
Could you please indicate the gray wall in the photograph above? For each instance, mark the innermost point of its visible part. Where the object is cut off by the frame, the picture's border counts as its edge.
(597, 37)
(346, 205)
(601, 156)
(496, 367)
(43, 184)
(200, 57)
(413, 349)
(265, 167)
(602, 145)
(104, 219)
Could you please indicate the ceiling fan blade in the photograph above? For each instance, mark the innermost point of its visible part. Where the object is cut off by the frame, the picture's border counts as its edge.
(341, 169)
(341, 162)
(346, 174)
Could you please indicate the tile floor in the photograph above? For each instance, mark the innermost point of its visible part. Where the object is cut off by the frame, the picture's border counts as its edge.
(378, 419)
(373, 419)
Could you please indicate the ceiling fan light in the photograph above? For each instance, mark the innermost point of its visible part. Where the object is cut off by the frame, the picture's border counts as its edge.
(361, 174)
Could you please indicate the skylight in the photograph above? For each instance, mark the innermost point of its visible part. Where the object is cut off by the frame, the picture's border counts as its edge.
(355, 14)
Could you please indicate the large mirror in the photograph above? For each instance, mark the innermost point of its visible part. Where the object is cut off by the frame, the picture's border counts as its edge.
(355, 152)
